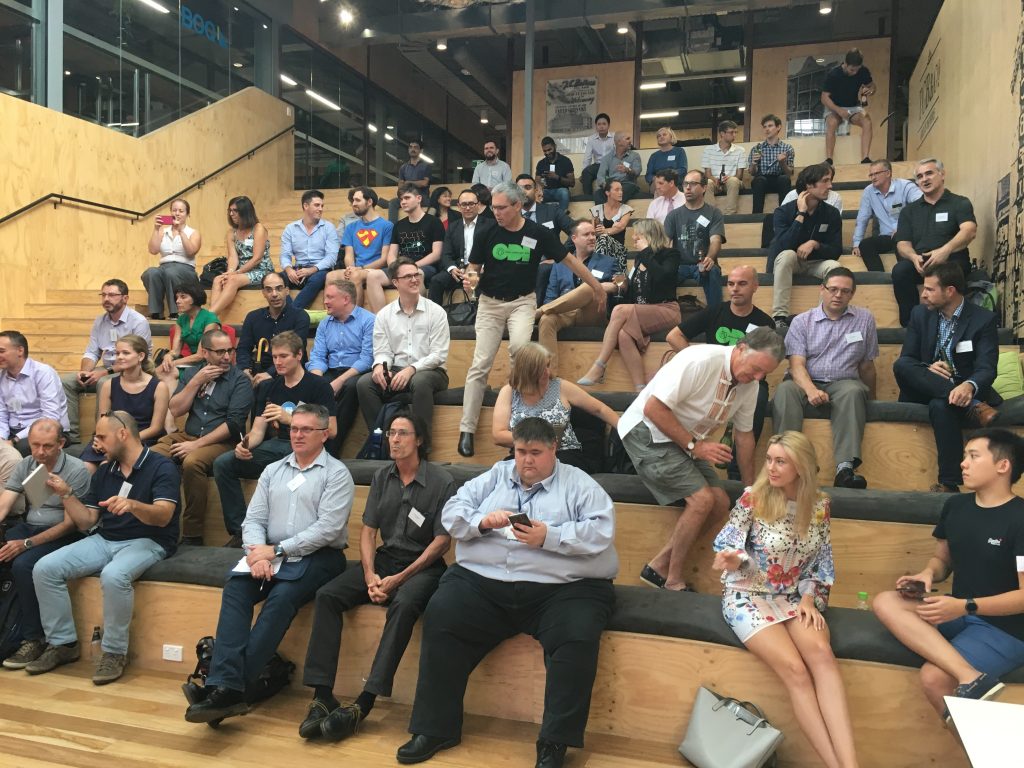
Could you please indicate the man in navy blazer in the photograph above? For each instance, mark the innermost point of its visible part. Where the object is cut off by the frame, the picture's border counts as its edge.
(948, 363)
(458, 242)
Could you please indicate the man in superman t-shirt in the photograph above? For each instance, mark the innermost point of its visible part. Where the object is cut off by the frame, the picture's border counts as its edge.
(363, 242)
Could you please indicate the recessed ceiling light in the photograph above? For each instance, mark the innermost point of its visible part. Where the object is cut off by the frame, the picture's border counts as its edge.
(287, 80)
(266, 27)
(67, 71)
(742, 109)
(155, 6)
(483, 117)
(238, 65)
(656, 115)
(653, 86)
(388, 136)
(740, 79)
(825, 7)
(390, 127)
(464, 71)
(371, 127)
(442, 44)
(622, 29)
(820, 60)
(346, 17)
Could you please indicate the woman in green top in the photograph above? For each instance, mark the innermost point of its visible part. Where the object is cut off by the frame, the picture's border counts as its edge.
(193, 321)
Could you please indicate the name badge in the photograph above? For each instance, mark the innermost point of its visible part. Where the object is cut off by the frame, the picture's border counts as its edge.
(625, 164)
(823, 227)
(529, 242)
(207, 389)
(751, 327)
(853, 337)
(551, 168)
(671, 158)
(126, 488)
(296, 482)
(417, 517)
(113, 335)
(1020, 564)
(548, 224)
(942, 216)
(597, 273)
(703, 220)
(897, 206)
(964, 346)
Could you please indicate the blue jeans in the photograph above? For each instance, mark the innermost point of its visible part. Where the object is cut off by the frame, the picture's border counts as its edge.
(21, 571)
(558, 195)
(243, 649)
(228, 470)
(119, 564)
(308, 289)
(710, 281)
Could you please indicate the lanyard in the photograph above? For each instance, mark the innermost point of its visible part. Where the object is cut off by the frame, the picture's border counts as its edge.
(529, 497)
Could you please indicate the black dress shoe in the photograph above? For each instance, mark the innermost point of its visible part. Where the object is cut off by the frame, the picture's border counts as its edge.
(550, 754)
(847, 478)
(221, 703)
(420, 748)
(310, 727)
(341, 723)
(650, 576)
(465, 443)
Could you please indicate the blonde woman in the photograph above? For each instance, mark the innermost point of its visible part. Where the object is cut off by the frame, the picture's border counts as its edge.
(776, 555)
(648, 304)
(533, 391)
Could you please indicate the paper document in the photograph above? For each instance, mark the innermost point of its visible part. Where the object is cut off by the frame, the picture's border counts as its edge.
(990, 730)
(243, 567)
(35, 487)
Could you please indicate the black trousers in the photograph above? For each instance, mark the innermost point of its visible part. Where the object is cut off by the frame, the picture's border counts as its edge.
(872, 247)
(919, 385)
(905, 279)
(761, 185)
(349, 590)
(347, 406)
(470, 615)
(441, 284)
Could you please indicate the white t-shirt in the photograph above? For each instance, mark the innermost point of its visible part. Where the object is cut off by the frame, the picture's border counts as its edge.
(833, 199)
(695, 386)
(171, 249)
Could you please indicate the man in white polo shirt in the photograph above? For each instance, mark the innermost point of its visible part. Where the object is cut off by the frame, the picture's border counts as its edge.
(723, 165)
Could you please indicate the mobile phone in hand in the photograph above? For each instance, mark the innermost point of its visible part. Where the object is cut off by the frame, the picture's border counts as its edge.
(912, 589)
(165, 220)
(521, 518)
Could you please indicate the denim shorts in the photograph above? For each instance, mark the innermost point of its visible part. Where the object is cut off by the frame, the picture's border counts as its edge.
(983, 645)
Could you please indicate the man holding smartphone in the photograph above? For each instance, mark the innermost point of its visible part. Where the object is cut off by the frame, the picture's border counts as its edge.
(549, 577)
(972, 637)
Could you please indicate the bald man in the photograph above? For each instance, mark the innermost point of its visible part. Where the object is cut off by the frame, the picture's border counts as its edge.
(726, 325)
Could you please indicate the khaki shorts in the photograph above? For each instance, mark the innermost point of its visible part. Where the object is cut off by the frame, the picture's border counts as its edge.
(666, 469)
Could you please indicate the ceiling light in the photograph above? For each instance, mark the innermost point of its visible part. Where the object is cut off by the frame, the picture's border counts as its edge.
(388, 136)
(464, 71)
(739, 79)
(266, 27)
(623, 29)
(820, 60)
(442, 44)
(155, 6)
(653, 86)
(825, 7)
(742, 109)
(287, 80)
(346, 17)
(238, 65)
(390, 127)
(458, 167)
(483, 117)
(323, 100)
(371, 127)
(656, 115)
(67, 71)
(424, 156)
(236, 8)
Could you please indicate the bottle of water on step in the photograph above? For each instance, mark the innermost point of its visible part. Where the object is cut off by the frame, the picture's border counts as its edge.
(376, 445)
(862, 602)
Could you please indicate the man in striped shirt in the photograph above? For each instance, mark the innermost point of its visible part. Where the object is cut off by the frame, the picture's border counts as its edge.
(723, 166)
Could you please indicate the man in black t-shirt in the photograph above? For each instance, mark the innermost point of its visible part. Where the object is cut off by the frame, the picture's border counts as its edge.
(268, 439)
(507, 258)
(844, 96)
(556, 173)
(974, 636)
(418, 237)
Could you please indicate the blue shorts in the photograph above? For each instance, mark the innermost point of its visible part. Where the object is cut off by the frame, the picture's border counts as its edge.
(984, 646)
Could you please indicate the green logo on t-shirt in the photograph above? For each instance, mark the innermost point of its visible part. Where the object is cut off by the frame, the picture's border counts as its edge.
(511, 252)
(729, 337)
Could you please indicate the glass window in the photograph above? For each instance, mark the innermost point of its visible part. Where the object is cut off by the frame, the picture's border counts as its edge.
(15, 54)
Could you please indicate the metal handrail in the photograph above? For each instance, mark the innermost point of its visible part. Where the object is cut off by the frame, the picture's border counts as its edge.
(60, 198)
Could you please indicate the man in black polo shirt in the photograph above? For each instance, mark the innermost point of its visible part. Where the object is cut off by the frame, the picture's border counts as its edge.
(268, 440)
(974, 636)
(844, 96)
(261, 325)
(134, 496)
(507, 258)
(556, 173)
(404, 505)
(935, 228)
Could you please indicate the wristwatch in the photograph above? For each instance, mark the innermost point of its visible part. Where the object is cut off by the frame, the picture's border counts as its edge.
(971, 606)
(278, 550)
(27, 543)
(68, 495)
(692, 445)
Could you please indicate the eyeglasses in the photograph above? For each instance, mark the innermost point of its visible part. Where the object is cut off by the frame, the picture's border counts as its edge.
(839, 291)
(692, 184)
(468, 205)
(111, 295)
(274, 289)
(113, 415)
(527, 187)
(872, 174)
(410, 276)
(220, 352)
(400, 433)
(304, 431)
(499, 208)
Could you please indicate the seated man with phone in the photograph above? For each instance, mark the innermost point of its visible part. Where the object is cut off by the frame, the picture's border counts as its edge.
(972, 637)
(534, 554)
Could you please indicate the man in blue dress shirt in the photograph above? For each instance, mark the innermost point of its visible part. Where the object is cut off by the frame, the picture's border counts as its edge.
(884, 198)
(309, 249)
(550, 577)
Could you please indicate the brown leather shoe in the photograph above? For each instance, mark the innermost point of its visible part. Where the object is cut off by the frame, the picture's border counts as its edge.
(982, 414)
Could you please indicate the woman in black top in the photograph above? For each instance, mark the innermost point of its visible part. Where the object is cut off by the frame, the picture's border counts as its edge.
(649, 304)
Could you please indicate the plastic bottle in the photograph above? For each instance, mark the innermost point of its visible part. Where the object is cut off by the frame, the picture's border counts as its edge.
(862, 602)
(96, 642)
(727, 441)
(376, 445)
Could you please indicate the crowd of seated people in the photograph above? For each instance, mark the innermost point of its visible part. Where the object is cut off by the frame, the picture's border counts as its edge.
(279, 416)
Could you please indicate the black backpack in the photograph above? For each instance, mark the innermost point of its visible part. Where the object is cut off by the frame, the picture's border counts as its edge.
(10, 613)
(275, 676)
(370, 449)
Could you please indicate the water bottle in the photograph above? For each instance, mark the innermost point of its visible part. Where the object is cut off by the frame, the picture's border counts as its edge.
(726, 441)
(377, 443)
(862, 602)
(95, 644)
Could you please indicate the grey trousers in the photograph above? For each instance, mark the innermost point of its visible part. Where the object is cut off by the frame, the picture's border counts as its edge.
(72, 389)
(162, 281)
(847, 409)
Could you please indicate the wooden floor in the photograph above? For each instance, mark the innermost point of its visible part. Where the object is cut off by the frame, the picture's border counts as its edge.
(62, 719)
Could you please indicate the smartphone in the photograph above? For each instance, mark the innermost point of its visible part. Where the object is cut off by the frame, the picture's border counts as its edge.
(911, 590)
(165, 220)
(245, 442)
(521, 518)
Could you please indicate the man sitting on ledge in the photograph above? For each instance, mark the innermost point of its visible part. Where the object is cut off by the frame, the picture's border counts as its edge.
(548, 576)
(971, 638)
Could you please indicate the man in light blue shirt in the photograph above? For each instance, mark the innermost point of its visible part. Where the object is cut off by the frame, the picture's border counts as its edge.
(309, 250)
(883, 199)
(29, 390)
(547, 575)
(342, 350)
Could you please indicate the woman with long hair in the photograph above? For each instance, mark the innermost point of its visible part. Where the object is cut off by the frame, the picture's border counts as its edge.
(135, 389)
(776, 556)
(648, 305)
(177, 243)
(441, 204)
(246, 238)
(532, 390)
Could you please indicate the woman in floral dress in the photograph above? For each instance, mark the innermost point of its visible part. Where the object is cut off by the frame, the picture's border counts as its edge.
(776, 558)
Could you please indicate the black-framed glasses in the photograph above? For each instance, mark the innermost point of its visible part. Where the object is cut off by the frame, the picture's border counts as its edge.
(113, 415)
(410, 276)
(220, 352)
(111, 295)
(468, 205)
(400, 433)
(306, 430)
(839, 291)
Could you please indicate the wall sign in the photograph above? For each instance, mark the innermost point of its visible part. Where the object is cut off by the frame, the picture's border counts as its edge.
(202, 27)
(928, 93)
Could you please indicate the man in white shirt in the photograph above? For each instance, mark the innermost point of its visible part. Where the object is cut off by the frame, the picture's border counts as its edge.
(667, 194)
(410, 348)
(598, 145)
(723, 165)
(665, 432)
(491, 171)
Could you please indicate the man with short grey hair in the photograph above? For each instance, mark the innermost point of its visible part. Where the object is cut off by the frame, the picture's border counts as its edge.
(621, 164)
(510, 255)
(666, 429)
